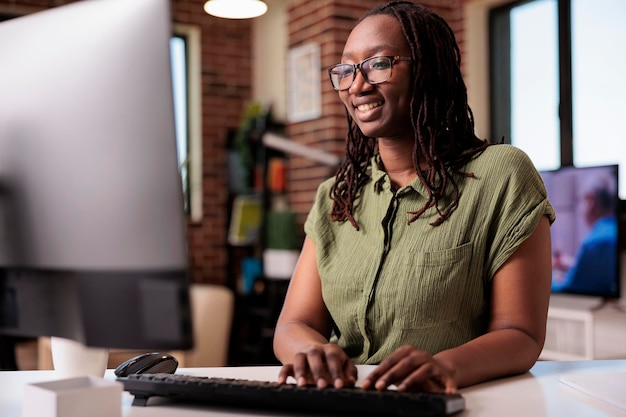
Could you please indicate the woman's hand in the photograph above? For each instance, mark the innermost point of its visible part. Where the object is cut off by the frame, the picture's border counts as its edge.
(411, 369)
(320, 365)
(301, 337)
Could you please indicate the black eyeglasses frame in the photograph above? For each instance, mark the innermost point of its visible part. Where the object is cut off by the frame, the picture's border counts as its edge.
(394, 59)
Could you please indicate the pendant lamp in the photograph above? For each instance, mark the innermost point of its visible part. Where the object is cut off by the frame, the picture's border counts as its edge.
(235, 9)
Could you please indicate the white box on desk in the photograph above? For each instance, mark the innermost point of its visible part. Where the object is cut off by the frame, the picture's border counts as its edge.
(74, 397)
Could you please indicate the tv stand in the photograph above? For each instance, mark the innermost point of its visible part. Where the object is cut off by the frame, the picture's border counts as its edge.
(581, 328)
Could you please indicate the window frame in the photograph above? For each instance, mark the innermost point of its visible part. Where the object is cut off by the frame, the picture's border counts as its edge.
(191, 36)
(500, 82)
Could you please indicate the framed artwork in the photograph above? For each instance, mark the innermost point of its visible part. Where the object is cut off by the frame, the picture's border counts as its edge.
(304, 96)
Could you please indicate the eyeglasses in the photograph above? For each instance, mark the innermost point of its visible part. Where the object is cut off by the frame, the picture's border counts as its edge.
(375, 70)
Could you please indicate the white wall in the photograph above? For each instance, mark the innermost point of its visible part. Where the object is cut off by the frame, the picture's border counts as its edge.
(476, 58)
(269, 45)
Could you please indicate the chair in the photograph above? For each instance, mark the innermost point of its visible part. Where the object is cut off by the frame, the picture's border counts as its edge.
(212, 308)
(212, 314)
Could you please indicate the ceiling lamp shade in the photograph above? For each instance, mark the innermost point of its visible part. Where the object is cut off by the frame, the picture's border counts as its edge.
(235, 9)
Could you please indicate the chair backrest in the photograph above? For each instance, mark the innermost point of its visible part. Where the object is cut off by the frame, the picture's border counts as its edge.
(212, 309)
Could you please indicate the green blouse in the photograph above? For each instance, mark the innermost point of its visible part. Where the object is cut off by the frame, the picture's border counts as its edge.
(392, 284)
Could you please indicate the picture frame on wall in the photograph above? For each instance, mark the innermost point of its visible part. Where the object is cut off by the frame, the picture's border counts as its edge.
(304, 80)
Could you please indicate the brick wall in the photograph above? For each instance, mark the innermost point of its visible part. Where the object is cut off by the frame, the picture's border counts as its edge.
(226, 90)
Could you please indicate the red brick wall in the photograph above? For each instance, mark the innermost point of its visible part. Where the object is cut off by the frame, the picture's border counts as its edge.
(226, 90)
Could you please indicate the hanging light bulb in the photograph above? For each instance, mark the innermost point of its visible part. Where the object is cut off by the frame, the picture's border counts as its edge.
(235, 9)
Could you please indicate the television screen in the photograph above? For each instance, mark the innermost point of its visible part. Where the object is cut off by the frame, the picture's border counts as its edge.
(585, 252)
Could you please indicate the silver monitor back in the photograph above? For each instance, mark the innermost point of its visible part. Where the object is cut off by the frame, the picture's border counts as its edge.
(92, 225)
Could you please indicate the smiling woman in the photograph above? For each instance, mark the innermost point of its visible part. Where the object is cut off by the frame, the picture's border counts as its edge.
(447, 256)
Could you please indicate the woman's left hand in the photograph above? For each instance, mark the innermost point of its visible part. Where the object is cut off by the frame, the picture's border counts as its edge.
(411, 369)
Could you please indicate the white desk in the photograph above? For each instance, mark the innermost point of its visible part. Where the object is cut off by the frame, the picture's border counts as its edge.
(535, 394)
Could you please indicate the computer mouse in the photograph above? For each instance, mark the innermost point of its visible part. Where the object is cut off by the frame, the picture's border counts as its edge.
(148, 363)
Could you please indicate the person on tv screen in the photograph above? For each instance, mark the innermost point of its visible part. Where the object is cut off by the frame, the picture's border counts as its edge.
(428, 254)
(593, 269)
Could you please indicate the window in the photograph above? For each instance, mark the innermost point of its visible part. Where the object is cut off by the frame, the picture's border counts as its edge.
(179, 83)
(185, 59)
(557, 87)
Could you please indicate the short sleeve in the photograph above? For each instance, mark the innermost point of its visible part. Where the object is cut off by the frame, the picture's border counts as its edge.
(520, 200)
(319, 215)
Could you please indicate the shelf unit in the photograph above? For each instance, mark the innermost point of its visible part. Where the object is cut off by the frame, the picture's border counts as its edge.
(257, 303)
(582, 328)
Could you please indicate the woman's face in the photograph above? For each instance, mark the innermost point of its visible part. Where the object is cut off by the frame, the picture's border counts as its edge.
(380, 110)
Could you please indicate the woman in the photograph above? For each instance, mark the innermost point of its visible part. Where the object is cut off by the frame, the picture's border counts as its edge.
(429, 252)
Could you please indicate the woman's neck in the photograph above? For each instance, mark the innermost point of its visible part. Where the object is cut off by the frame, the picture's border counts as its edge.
(397, 158)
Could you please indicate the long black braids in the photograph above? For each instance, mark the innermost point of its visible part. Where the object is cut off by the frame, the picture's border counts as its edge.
(440, 116)
(359, 151)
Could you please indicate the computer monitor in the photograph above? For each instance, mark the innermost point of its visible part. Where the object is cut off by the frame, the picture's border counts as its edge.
(92, 227)
(585, 235)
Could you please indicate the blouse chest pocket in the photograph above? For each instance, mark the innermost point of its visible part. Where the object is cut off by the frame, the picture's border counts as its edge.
(432, 290)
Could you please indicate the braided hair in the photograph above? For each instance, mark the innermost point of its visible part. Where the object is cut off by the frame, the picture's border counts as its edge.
(441, 118)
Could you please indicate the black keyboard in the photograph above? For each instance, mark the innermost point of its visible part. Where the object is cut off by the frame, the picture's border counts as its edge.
(302, 400)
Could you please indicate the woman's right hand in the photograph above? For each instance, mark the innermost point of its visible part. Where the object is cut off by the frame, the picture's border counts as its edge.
(303, 329)
(321, 365)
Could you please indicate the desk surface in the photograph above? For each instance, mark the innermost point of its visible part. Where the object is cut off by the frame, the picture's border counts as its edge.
(537, 393)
